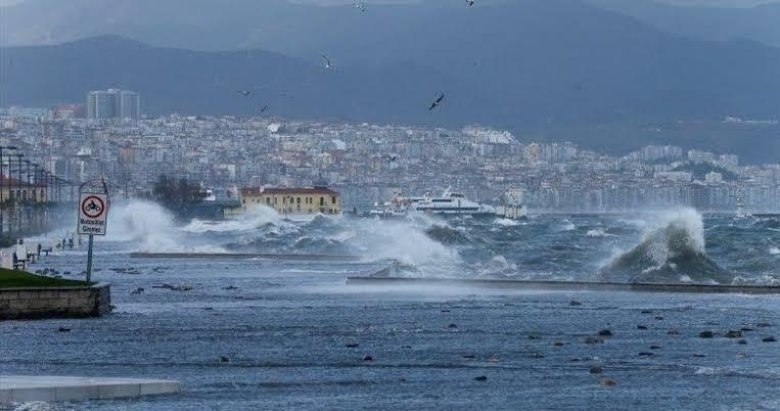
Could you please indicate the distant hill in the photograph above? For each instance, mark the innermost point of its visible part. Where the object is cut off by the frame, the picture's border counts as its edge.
(758, 23)
(549, 69)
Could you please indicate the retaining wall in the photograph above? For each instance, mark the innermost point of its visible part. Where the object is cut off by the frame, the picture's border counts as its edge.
(55, 302)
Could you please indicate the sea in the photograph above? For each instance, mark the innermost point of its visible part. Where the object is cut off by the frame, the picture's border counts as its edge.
(290, 333)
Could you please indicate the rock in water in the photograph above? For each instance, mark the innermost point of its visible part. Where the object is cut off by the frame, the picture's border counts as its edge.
(605, 333)
(607, 382)
(706, 334)
(733, 334)
(446, 235)
(368, 358)
(224, 359)
(593, 340)
(481, 378)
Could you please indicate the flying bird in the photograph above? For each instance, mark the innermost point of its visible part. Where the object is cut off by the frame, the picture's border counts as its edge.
(469, 3)
(263, 110)
(360, 5)
(244, 93)
(326, 62)
(436, 102)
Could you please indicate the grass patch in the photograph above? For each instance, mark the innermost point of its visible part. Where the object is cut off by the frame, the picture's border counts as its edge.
(15, 279)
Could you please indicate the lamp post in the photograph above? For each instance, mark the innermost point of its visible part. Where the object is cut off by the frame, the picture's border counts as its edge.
(19, 175)
(35, 181)
(27, 195)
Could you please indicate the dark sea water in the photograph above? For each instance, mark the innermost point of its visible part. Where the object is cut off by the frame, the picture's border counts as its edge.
(294, 335)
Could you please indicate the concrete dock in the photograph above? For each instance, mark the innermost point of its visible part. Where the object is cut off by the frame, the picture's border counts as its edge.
(569, 285)
(21, 388)
(289, 257)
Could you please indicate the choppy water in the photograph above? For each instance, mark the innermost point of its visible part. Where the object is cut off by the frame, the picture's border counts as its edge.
(288, 329)
(665, 246)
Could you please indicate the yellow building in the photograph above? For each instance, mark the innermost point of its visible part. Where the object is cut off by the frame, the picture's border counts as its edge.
(287, 201)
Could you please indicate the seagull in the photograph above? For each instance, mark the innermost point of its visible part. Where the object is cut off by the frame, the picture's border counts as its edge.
(326, 62)
(244, 93)
(437, 102)
(470, 3)
(360, 5)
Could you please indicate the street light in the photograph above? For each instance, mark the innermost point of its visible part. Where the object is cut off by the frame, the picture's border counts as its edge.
(19, 157)
(35, 181)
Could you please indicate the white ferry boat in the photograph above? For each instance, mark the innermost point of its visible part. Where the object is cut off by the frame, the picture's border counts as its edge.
(449, 203)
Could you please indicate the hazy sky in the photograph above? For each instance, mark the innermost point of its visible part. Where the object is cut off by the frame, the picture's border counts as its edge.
(715, 3)
(711, 3)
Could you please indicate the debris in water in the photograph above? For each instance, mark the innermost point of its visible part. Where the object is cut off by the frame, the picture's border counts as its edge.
(183, 287)
(607, 382)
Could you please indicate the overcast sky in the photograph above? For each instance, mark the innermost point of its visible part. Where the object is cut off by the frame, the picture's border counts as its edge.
(715, 3)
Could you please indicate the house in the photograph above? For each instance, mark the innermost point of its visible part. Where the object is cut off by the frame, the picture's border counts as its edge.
(292, 201)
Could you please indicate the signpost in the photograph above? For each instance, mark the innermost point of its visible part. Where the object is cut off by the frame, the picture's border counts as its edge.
(92, 214)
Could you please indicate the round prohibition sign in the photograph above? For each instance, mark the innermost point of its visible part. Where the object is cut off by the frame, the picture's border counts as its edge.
(93, 207)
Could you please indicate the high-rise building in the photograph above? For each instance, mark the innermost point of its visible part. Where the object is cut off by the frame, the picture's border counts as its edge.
(129, 105)
(113, 103)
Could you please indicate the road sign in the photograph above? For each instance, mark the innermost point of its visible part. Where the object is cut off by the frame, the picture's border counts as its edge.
(93, 211)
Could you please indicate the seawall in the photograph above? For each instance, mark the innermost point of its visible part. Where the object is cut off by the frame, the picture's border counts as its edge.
(55, 302)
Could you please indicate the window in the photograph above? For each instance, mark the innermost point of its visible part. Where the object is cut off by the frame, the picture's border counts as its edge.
(298, 200)
(322, 201)
(333, 200)
(268, 201)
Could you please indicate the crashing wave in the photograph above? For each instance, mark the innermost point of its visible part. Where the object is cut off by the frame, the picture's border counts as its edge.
(446, 235)
(597, 233)
(671, 250)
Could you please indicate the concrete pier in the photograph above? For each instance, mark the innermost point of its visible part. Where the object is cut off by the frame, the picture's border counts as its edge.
(569, 285)
(20, 388)
(291, 257)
